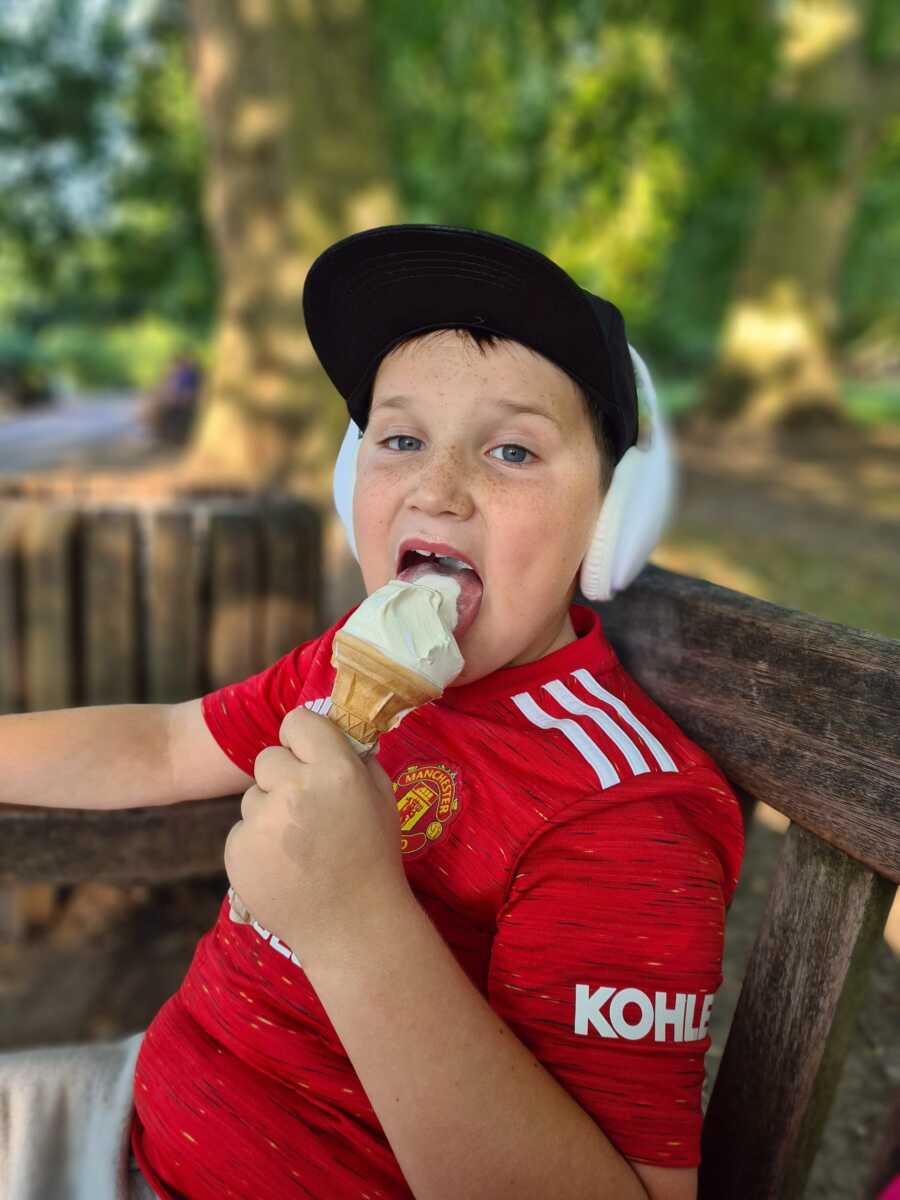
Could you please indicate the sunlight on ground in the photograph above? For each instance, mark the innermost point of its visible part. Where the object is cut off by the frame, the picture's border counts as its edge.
(707, 562)
(779, 823)
(809, 523)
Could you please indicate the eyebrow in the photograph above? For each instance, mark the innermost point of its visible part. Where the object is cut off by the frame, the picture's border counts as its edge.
(401, 401)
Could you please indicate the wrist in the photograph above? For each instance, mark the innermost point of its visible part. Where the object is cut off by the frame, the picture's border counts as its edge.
(365, 921)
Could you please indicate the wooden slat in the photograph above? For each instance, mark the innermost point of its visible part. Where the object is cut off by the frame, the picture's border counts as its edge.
(234, 589)
(138, 845)
(12, 915)
(11, 600)
(789, 1035)
(109, 609)
(48, 559)
(292, 604)
(171, 606)
(800, 712)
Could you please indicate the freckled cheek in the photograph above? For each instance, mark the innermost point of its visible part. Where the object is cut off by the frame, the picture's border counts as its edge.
(540, 539)
(518, 539)
(374, 504)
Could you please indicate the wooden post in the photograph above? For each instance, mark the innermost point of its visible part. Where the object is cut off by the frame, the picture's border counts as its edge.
(11, 516)
(235, 596)
(170, 608)
(804, 983)
(293, 591)
(51, 680)
(12, 908)
(111, 673)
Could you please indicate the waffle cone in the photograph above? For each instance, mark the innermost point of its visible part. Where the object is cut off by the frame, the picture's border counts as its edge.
(371, 692)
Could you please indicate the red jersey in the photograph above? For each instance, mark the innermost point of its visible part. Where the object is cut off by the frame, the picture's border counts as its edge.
(577, 853)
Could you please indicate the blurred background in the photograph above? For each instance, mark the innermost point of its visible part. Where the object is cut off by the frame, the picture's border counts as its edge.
(727, 173)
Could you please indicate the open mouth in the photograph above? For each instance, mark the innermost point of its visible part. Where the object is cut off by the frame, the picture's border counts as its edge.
(415, 563)
(444, 564)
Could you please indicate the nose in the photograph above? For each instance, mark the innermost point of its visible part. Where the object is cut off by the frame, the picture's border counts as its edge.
(442, 485)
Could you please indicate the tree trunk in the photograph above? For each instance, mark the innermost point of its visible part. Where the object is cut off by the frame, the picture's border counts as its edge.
(775, 366)
(297, 159)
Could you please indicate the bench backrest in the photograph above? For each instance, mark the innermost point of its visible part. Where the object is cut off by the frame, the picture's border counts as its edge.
(803, 714)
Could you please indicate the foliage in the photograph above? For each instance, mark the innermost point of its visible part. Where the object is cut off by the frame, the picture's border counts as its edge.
(866, 402)
(624, 140)
(24, 370)
(617, 125)
(870, 281)
(101, 176)
(56, 130)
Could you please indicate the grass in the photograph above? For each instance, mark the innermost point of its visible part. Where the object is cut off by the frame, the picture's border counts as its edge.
(811, 525)
(808, 577)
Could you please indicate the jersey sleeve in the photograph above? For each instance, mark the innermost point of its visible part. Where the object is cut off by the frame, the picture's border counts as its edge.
(245, 717)
(606, 959)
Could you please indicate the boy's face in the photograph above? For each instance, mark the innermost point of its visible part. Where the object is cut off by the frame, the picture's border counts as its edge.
(443, 464)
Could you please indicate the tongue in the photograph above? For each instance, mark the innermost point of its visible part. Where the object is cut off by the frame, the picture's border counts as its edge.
(470, 590)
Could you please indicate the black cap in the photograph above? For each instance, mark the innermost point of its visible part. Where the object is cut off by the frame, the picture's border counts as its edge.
(369, 291)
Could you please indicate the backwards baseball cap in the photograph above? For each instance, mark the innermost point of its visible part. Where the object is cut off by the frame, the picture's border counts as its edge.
(372, 290)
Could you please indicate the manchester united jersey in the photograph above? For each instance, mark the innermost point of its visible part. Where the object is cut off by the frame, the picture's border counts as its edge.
(575, 850)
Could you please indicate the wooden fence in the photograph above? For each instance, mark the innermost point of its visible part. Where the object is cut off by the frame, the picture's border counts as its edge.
(103, 603)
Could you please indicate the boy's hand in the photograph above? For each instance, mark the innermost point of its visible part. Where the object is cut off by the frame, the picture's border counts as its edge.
(319, 841)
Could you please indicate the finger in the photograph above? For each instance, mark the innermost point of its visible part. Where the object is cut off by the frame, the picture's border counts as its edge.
(252, 802)
(238, 910)
(312, 737)
(274, 765)
(228, 849)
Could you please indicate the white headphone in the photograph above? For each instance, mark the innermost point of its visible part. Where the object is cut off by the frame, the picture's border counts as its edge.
(636, 510)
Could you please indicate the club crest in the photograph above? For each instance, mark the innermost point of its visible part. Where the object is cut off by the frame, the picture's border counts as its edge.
(426, 801)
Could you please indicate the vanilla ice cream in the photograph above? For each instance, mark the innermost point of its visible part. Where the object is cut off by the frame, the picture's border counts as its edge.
(412, 624)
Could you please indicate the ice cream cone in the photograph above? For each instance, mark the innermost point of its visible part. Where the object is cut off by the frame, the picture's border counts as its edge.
(372, 693)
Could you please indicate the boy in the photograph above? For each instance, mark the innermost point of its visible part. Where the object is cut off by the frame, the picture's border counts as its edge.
(506, 992)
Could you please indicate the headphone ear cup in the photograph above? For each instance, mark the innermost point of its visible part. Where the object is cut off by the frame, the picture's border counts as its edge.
(344, 481)
(638, 506)
(597, 568)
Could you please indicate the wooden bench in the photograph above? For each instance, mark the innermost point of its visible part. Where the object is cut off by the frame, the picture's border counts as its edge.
(803, 714)
(799, 712)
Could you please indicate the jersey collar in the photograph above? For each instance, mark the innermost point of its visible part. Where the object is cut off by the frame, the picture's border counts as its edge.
(589, 649)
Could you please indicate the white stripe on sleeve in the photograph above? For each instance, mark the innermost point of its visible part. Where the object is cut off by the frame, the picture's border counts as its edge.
(604, 769)
(656, 748)
(578, 708)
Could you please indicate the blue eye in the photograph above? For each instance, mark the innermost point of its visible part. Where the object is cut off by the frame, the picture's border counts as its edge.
(404, 437)
(513, 462)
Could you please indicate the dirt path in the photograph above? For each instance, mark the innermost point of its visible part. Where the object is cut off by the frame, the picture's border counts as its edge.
(811, 523)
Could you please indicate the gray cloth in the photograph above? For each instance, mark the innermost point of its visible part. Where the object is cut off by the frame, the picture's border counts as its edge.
(65, 1117)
